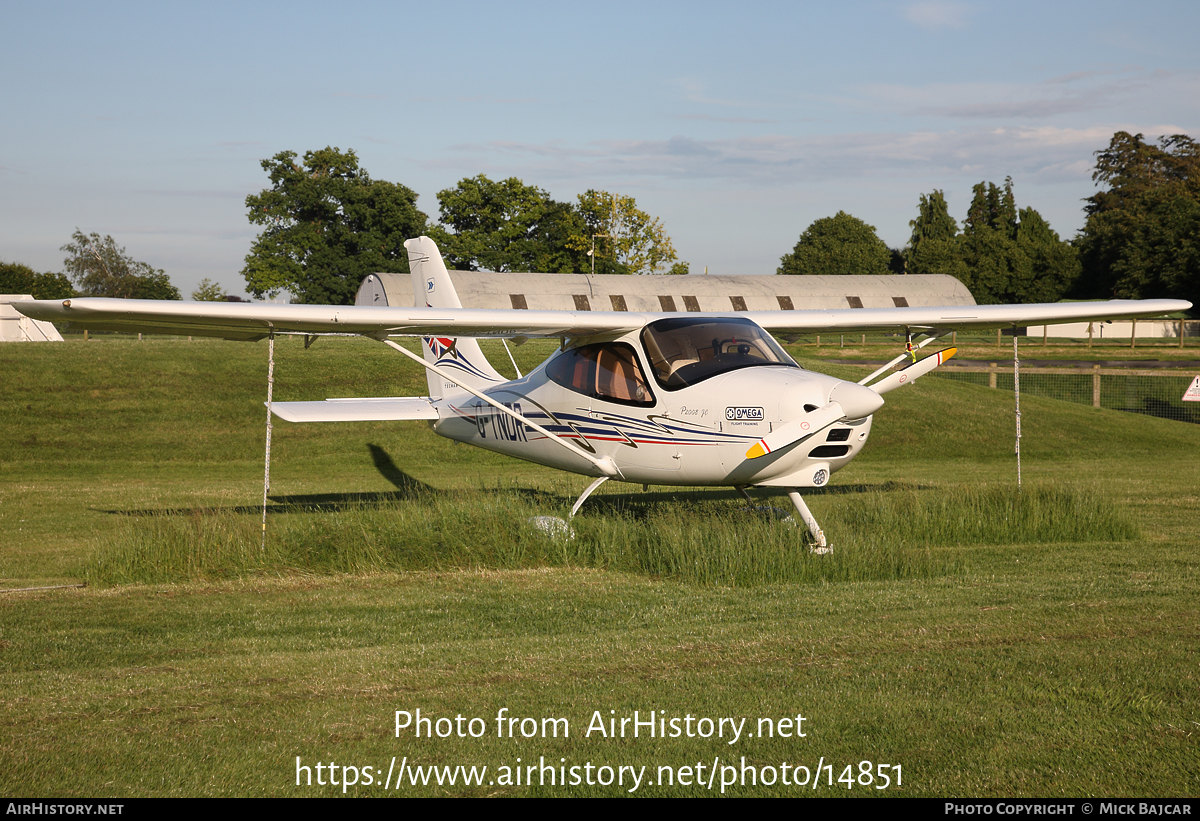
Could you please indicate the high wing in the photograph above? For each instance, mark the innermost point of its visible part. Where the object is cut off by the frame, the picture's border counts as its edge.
(251, 321)
(961, 317)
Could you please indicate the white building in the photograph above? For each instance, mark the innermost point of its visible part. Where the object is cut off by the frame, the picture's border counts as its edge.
(16, 327)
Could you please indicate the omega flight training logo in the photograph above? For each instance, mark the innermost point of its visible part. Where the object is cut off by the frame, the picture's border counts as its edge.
(739, 414)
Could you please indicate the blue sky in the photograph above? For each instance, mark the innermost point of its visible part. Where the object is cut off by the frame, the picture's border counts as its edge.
(737, 124)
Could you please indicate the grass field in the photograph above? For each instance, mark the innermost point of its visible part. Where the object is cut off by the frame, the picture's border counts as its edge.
(962, 640)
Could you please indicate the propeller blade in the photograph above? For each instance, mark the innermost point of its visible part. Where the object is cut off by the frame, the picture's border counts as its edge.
(917, 369)
(797, 430)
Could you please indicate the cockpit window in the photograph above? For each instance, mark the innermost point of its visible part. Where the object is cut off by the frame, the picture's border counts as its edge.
(607, 371)
(684, 352)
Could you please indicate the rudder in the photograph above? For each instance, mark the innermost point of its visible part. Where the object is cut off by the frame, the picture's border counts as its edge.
(460, 356)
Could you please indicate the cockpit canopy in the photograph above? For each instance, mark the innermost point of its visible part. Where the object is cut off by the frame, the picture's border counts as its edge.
(686, 351)
(608, 371)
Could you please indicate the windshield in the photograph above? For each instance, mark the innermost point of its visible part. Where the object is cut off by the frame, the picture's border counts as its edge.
(683, 352)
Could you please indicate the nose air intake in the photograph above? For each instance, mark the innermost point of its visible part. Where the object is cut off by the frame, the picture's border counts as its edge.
(846, 401)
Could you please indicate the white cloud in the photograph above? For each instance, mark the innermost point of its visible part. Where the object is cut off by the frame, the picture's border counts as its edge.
(737, 120)
(939, 14)
(1046, 153)
(1082, 91)
(694, 91)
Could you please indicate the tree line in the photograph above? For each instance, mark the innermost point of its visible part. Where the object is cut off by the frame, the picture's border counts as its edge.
(1141, 239)
(1002, 254)
(98, 267)
(1142, 236)
(326, 224)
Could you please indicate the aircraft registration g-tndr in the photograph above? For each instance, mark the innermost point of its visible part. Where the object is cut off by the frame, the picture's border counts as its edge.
(707, 399)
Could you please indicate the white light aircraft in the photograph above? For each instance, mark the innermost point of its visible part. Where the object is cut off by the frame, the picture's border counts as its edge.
(696, 399)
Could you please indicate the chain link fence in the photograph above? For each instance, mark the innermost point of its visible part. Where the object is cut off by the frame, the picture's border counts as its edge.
(1154, 392)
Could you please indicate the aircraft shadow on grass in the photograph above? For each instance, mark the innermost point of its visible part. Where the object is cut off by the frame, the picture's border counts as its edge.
(639, 504)
(634, 503)
(407, 489)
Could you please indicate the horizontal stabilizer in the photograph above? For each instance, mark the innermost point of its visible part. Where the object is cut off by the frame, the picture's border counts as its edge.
(386, 409)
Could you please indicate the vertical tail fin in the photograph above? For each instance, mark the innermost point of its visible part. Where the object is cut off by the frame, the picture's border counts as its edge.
(461, 356)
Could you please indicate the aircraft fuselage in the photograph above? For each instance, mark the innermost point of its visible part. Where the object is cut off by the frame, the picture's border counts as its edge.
(613, 399)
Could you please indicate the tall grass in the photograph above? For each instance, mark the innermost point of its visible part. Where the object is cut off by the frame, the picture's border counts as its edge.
(967, 515)
(878, 535)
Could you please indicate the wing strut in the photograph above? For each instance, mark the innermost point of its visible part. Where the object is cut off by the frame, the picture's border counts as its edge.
(605, 464)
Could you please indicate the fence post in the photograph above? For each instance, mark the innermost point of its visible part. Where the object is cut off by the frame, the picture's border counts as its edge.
(1133, 333)
(991, 374)
(1095, 386)
(1090, 331)
(1181, 333)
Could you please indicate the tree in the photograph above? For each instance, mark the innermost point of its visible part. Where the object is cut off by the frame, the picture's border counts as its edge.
(1003, 254)
(101, 268)
(507, 226)
(841, 244)
(16, 278)
(511, 226)
(987, 245)
(327, 225)
(933, 221)
(1141, 235)
(1131, 167)
(208, 291)
(1053, 263)
(627, 238)
(933, 247)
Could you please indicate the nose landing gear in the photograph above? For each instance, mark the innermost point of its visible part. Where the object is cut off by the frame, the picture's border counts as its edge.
(820, 547)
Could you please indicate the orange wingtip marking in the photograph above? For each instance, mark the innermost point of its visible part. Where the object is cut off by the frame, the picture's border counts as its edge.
(946, 354)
